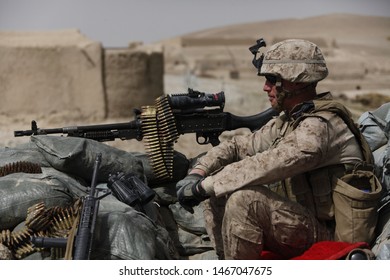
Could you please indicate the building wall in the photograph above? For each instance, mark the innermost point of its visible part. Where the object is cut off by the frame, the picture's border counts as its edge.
(133, 78)
(64, 72)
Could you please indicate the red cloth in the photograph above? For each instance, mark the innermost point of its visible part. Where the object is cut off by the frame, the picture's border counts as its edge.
(323, 250)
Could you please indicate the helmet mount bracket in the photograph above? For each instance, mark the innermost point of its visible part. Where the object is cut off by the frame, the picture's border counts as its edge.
(257, 62)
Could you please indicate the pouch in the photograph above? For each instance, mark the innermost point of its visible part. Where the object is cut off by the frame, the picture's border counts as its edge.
(314, 190)
(356, 197)
(322, 186)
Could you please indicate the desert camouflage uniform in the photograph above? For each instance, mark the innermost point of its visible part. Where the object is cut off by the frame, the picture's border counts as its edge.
(244, 172)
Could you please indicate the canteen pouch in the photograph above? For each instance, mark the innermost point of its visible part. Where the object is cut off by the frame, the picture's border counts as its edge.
(356, 196)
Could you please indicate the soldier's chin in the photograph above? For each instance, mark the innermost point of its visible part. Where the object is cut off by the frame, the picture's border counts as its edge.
(276, 107)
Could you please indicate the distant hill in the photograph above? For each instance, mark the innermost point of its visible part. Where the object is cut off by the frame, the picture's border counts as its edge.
(356, 47)
(346, 29)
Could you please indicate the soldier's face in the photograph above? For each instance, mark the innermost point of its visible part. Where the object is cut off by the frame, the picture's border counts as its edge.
(270, 88)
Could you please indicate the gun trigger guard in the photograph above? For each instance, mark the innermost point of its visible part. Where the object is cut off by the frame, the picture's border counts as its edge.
(200, 136)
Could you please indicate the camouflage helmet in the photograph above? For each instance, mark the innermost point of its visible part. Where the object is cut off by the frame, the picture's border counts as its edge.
(294, 60)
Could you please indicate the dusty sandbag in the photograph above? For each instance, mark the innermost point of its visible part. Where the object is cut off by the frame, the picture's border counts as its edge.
(384, 167)
(166, 195)
(194, 243)
(191, 230)
(19, 191)
(169, 223)
(194, 223)
(381, 247)
(124, 233)
(77, 156)
(25, 152)
(373, 125)
(208, 255)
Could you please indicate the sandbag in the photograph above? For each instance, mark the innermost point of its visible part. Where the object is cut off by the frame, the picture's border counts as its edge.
(124, 233)
(76, 156)
(166, 194)
(373, 125)
(27, 152)
(194, 243)
(19, 191)
(207, 255)
(381, 248)
(194, 223)
(385, 167)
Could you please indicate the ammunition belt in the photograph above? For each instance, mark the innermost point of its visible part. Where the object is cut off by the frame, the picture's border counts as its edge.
(160, 133)
(40, 222)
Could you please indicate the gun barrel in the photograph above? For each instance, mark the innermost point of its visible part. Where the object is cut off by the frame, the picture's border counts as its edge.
(48, 242)
(19, 133)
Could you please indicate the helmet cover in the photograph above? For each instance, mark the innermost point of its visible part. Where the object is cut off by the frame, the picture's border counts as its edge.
(295, 60)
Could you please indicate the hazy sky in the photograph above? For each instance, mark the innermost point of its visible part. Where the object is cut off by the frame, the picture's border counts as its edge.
(115, 23)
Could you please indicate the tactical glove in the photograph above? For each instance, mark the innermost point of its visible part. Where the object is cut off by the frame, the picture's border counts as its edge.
(190, 192)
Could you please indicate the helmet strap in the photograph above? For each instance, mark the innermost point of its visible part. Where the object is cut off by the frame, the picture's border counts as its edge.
(282, 93)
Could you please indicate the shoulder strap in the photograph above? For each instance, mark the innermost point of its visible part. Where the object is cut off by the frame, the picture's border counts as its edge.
(345, 115)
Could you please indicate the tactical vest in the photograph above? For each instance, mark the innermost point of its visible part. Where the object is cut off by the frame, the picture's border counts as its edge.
(323, 192)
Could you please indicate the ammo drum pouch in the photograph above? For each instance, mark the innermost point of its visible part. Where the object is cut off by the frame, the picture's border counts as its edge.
(356, 196)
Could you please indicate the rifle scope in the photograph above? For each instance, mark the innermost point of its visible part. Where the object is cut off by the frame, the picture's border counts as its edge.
(196, 99)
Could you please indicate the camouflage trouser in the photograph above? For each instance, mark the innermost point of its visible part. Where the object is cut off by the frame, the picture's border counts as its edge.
(255, 218)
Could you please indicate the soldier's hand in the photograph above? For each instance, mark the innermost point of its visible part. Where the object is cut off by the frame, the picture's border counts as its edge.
(190, 192)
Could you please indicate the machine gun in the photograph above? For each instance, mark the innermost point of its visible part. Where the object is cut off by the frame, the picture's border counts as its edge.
(79, 246)
(161, 124)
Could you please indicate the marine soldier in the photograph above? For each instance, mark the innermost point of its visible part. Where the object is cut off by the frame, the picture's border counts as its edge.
(279, 189)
